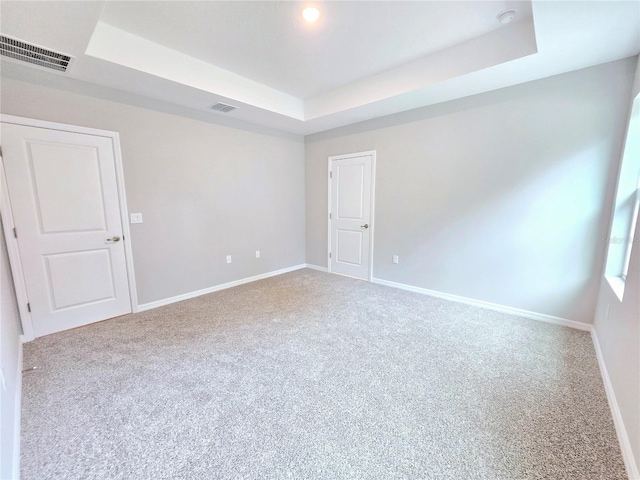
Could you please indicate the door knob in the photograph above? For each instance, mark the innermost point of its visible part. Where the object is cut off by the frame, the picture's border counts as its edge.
(366, 225)
(115, 238)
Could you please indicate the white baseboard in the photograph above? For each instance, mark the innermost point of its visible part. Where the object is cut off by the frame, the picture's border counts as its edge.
(623, 438)
(316, 267)
(204, 291)
(565, 322)
(17, 413)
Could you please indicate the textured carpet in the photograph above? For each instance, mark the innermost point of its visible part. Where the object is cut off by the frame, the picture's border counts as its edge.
(316, 376)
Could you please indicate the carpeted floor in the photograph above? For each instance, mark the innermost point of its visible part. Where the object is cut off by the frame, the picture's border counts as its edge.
(315, 376)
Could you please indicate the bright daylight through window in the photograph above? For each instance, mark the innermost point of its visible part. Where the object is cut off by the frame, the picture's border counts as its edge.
(625, 215)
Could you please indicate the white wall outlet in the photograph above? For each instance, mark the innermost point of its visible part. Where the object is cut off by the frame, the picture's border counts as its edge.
(136, 218)
(257, 253)
(228, 258)
(396, 259)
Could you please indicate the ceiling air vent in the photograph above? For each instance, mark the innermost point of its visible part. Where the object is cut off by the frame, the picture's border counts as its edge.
(222, 107)
(19, 50)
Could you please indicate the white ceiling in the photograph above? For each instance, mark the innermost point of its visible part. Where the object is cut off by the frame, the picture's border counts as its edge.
(361, 60)
(267, 41)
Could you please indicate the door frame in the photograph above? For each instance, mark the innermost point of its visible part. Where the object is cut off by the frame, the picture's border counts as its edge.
(8, 224)
(373, 198)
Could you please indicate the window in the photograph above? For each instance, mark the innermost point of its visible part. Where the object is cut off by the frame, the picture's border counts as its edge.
(631, 240)
(625, 215)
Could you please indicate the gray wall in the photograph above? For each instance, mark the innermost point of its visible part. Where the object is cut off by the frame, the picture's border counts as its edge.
(503, 197)
(617, 325)
(205, 190)
(10, 346)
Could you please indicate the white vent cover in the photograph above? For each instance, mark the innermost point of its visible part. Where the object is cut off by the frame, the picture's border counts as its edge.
(222, 107)
(19, 50)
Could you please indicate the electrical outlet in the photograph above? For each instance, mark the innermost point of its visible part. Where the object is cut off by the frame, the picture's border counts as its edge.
(257, 253)
(396, 259)
(228, 258)
(136, 218)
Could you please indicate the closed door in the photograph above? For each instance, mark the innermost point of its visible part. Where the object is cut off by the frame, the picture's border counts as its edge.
(351, 214)
(64, 198)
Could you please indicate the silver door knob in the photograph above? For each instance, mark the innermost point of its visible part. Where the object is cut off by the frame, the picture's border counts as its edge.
(115, 238)
(366, 225)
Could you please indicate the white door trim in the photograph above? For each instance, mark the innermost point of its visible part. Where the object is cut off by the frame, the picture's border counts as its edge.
(373, 204)
(7, 216)
(14, 257)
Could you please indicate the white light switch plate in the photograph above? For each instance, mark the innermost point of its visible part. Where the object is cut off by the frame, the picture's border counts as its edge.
(136, 218)
(396, 259)
(228, 258)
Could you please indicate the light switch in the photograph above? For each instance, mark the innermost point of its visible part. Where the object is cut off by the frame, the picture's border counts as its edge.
(136, 218)
(228, 258)
(396, 259)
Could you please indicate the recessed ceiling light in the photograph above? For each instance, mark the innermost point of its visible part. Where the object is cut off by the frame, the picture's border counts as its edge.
(311, 14)
(506, 17)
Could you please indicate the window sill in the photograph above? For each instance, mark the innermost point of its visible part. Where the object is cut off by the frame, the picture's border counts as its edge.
(617, 285)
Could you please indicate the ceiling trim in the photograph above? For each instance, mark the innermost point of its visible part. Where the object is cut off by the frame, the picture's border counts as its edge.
(123, 48)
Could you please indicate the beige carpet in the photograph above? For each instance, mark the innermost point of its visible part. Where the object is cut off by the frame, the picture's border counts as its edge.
(316, 376)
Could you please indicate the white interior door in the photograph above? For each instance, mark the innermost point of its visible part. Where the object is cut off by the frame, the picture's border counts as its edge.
(351, 214)
(64, 198)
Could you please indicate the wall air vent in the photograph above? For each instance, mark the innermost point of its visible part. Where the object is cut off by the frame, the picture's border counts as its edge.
(19, 50)
(222, 107)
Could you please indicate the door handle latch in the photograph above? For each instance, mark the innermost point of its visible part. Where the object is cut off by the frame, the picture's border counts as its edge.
(366, 225)
(115, 238)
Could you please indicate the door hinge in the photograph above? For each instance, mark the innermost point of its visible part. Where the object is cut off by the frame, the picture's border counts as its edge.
(329, 216)
(330, 174)
(29, 307)
(0, 150)
(329, 254)
(15, 232)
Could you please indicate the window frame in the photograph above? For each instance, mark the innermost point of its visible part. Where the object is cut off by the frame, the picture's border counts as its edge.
(626, 207)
